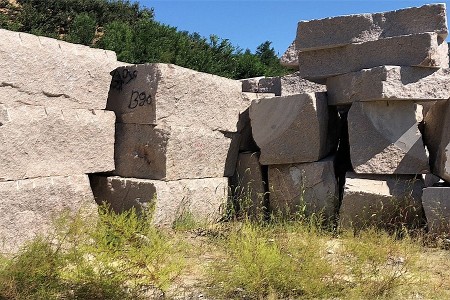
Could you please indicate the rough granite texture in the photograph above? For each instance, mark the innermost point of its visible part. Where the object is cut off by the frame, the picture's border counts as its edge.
(46, 72)
(281, 86)
(40, 141)
(165, 94)
(29, 206)
(381, 200)
(422, 50)
(172, 153)
(292, 129)
(310, 187)
(437, 138)
(389, 83)
(343, 30)
(385, 138)
(436, 204)
(205, 198)
(289, 58)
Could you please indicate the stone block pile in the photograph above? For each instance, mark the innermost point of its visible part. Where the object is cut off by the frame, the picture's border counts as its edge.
(178, 137)
(53, 131)
(387, 75)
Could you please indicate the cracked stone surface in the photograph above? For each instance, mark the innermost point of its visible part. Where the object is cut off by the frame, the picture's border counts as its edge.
(47, 72)
(204, 198)
(40, 141)
(389, 83)
(165, 94)
(385, 138)
(422, 50)
(172, 153)
(29, 206)
(310, 188)
(344, 30)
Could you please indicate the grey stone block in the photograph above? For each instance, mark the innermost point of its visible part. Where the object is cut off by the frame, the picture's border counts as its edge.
(343, 30)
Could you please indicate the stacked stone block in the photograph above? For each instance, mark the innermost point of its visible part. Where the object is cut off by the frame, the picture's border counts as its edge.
(54, 132)
(177, 139)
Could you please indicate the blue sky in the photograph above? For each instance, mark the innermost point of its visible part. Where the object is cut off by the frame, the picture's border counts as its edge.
(248, 23)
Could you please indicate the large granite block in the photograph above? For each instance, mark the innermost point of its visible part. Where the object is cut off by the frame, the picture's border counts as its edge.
(422, 50)
(38, 142)
(385, 138)
(205, 198)
(172, 153)
(344, 30)
(436, 204)
(29, 207)
(389, 83)
(386, 201)
(281, 86)
(292, 129)
(46, 72)
(165, 94)
(289, 59)
(309, 188)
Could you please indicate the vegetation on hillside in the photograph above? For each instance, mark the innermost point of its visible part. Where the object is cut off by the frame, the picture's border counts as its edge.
(132, 32)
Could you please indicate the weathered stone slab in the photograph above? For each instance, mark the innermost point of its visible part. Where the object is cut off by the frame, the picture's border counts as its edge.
(29, 206)
(437, 138)
(309, 188)
(436, 204)
(281, 86)
(172, 153)
(38, 142)
(292, 129)
(385, 138)
(205, 198)
(381, 200)
(343, 30)
(46, 72)
(165, 94)
(289, 59)
(248, 185)
(389, 83)
(422, 50)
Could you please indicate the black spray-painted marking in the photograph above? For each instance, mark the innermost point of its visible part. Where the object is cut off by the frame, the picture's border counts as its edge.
(121, 78)
(139, 99)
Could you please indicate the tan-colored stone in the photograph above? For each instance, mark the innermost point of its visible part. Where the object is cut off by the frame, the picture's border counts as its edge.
(28, 207)
(389, 83)
(289, 59)
(309, 188)
(343, 30)
(437, 138)
(421, 50)
(42, 71)
(38, 142)
(436, 205)
(205, 198)
(384, 201)
(172, 153)
(248, 185)
(165, 94)
(292, 129)
(385, 138)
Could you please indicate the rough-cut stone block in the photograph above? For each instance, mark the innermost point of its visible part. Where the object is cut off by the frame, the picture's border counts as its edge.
(436, 204)
(292, 129)
(381, 200)
(161, 94)
(205, 198)
(289, 59)
(248, 185)
(343, 30)
(422, 50)
(310, 187)
(47, 72)
(38, 142)
(171, 153)
(389, 83)
(437, 138)
(281, 86)
(385, 138)
(28, 207)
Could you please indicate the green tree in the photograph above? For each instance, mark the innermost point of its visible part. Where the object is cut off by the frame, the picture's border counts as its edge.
(118, 36)
(82, 29)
